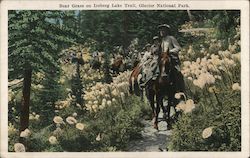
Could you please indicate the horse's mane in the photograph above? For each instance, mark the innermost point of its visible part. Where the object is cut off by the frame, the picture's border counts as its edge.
(164, 60)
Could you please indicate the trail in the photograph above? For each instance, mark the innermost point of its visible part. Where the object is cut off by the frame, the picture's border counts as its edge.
(152, 140)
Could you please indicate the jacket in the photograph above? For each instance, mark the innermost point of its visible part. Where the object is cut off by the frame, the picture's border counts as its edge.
(171, 44)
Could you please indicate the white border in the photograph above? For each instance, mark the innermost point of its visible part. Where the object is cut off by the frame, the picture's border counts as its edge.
(193, 5)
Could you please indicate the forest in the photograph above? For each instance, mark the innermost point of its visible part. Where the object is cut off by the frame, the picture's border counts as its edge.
(65, 94)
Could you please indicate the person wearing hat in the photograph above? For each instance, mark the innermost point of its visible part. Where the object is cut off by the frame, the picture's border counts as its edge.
(145, 54)
(145, 58)
(155, 48)
(150, 68)
(155, 51)
(169, 43)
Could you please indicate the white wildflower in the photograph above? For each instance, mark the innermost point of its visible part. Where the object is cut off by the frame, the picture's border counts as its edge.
(19, 147)
(80, 126)
(71, 120)
(109, 102)
(25, 134)
(189, 106)
(236, 87)
(177, 95)
(113, 100)
(98, 138)
(37, 117)
(190, 78)
(115, 92)
(236, 57)
(180, 106)
(52, 140)
(74, 114)
(186, 107)
(58, 120)
(207, 132)
(104, 100)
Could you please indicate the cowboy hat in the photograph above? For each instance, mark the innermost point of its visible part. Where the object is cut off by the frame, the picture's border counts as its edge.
(155, 38)
(164, 26)
(146, 46)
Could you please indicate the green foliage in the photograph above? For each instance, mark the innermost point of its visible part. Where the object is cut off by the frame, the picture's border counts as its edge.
(47, 96)
(34, 41)
(117, 125)
(223, 118)
(218, 108)
(124, 26)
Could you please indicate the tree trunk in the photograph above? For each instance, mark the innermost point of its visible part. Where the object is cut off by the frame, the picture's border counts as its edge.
(24, 117)
(191, 17)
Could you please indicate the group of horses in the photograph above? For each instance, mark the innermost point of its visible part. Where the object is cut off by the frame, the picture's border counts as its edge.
(155, 90)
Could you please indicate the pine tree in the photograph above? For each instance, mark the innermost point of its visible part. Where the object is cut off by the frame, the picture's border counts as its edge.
(34, 43)
(107, 76)
(49, 94)
(76, 84)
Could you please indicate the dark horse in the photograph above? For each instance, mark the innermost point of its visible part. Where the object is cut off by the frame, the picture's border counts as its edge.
(159, 88)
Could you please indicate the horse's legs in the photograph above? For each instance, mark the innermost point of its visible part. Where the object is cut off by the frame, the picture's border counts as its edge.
(150, 97)
(164, 110)
(159, 100)
(141, 94)
(171, 102)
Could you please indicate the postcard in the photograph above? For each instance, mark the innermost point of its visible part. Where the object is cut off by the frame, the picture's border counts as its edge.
(124, 78)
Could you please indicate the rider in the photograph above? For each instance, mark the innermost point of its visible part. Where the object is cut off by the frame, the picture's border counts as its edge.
(169, 43)
(150, 68)
(156, 51)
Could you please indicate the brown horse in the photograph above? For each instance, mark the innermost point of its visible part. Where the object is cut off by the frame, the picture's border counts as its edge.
(159, 88)
(134, 87)
(118, 65)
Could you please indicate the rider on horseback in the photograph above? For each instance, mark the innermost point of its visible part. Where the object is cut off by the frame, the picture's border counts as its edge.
(150, 67)
(149, 62)
(169, 43)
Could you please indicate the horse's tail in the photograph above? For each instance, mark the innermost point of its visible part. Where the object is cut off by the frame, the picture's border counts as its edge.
(134, 81)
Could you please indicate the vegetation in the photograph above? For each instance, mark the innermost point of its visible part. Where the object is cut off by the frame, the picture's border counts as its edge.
(213, 82)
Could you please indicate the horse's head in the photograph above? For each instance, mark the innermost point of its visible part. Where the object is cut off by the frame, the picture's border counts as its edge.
(117, 62)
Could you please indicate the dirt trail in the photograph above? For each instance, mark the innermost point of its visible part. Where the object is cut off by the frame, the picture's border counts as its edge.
(152, 140)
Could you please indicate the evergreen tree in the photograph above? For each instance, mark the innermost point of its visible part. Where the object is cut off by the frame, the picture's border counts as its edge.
(49, 94)
(34, 40)
(76, 85)
(107, 76)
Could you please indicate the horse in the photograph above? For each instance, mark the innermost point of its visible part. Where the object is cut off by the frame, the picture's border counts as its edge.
(134, 78)
(159, 88)
(118, 65)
